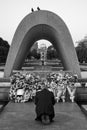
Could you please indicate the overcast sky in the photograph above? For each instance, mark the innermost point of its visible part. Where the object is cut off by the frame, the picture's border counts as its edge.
(73, 12)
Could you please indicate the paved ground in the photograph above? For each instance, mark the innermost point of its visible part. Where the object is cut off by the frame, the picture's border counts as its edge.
(68, 116)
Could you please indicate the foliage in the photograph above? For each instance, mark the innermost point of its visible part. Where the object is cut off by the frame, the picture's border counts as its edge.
(4, 48)
(81, 51)
(33, 54)
(52, 53)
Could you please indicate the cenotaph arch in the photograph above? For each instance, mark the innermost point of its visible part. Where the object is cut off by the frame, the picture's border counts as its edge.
(41, 25)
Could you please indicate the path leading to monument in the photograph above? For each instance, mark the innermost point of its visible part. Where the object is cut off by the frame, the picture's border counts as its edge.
(20, 116)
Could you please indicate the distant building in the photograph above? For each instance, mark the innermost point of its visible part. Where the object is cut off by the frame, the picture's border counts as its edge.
(43, 46)
(43, 51)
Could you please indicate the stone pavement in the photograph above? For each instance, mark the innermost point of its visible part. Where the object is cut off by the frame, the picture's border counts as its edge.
(20, 116)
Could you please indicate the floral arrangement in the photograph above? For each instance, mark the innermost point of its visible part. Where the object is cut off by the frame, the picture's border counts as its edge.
(25, 84)
(63, 80)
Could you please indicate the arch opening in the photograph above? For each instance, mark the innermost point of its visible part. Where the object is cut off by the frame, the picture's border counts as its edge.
(34, 34)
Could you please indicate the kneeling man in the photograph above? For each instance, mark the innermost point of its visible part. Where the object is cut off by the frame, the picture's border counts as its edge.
(44, 101)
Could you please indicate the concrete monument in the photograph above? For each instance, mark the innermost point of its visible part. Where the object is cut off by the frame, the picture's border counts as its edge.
(38, 25)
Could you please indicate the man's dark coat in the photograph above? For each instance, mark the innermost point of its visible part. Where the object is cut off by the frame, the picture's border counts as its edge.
(44, 101)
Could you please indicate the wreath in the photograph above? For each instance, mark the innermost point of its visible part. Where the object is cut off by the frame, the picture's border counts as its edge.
(23, 86)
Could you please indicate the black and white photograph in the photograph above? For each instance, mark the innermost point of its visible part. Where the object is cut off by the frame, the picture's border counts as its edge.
(43, 64)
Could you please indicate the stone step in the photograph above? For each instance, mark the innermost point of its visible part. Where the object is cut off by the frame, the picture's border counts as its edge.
(84, 109)
(4, 79)
(1, 107)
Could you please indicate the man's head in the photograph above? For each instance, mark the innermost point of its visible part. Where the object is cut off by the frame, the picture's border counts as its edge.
(44, 83)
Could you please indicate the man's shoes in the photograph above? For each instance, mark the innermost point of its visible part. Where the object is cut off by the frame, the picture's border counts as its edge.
(45, 119)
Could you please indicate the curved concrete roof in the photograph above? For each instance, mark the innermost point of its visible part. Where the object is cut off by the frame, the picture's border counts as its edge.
(41, 25)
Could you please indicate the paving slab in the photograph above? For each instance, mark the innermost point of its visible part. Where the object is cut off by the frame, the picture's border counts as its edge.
(20, 116)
